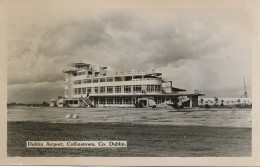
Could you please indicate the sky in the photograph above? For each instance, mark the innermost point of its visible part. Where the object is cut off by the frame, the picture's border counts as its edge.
(200, 46)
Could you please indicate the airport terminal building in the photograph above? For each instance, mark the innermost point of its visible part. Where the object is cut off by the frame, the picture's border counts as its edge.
(87, 86)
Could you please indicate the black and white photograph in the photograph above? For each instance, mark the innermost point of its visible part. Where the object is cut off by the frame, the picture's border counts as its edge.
(147, 79)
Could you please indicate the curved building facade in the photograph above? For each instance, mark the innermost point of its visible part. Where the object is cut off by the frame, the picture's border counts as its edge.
(86, 86)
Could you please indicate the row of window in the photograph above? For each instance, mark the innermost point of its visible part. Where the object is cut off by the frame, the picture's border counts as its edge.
(109, 79)
(71, 102)
(114, 101)
(158, 100)
(118, 89)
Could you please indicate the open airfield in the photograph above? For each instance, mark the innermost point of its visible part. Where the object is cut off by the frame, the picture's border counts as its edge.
(158, 133)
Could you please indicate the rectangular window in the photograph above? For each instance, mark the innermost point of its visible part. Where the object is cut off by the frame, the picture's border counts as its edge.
(95, 101)
(75, 101)
(102, 89)
(128, 78)
(118, 79)
(77, 82)
(118, 89)
(89, 90)
(152, 88)
(148, 87)
(95, 80)
(158, 100)
(96, 90)
(88, 80)
(81, 73)
(137, 77)
(75, 91)
(110, 101)
(118, 101)
(137, 88)
(127, 89)
(127, 101)
(102, 101)
(83, 90)
(79, 90)
(89, 72)
(110, 89)
(157, 88)
(133, 101)
(102, 80)
(110, 79)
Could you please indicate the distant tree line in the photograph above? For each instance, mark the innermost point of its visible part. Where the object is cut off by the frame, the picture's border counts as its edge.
(43, 104)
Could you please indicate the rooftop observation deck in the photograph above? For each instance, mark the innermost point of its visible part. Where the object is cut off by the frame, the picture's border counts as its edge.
(100, 71)
(122, 73)
(142, 72)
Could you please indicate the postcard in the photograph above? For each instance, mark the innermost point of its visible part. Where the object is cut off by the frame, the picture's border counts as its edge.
(153, 83)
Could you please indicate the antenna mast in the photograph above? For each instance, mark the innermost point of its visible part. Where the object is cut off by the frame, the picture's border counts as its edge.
(245, 91)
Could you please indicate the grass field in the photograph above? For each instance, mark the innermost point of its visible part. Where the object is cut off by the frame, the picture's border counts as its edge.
(143, 140)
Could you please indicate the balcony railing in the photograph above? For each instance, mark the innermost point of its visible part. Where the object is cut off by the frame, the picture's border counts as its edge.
(190, 92)
(137, 72)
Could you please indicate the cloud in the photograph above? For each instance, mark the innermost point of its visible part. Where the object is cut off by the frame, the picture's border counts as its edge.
(35, 93)
(196, 49)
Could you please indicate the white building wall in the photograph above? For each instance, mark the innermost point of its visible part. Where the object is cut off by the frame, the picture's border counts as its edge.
(167, 87)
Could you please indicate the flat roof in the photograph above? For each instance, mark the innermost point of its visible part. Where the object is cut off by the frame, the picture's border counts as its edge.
(177, 89)
(66, 71)
(81, 63)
